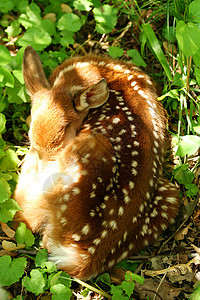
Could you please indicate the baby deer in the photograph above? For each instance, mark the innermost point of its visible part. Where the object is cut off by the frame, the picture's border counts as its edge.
(92, 181)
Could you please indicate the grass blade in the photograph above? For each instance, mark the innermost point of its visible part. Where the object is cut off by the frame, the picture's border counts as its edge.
(157, 49)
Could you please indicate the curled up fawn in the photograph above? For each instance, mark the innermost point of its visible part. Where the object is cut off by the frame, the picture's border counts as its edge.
(92, 182)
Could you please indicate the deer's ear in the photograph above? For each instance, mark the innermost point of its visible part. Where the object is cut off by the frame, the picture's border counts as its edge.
(34, 76)
(93, 96)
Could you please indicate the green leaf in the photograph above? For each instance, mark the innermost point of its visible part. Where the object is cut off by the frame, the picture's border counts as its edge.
(106, 18)
(188, 145)
(8, 210)
(19, 75)
(41, 258)
(132, 276)
(24, 235)
(188, 36)
(5, 57)
(83, 5)
(11, 270)
(157, 49)
(136, 58)
(6, 6)
(183, 175)
(50, 267)
(48, 26)
(194, 11)
(55, 278)
(197, 75)
(2, 122)
(14, 29)
(6, 77)
(35, 37)
(115, 52)
(128, 287)
(117, 292)
(67, 38)
(10, 161)
(192, 190)
(60, 292)
(4, 190)
(70, 22)
(172, 94)
(34, 284)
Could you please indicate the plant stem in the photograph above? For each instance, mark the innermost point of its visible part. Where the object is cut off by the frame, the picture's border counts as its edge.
(90, 287)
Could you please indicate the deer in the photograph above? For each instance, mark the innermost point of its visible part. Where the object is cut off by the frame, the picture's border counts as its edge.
(92, 182)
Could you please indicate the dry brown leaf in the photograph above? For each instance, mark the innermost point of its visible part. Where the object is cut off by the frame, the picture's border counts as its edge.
(50, 16)
(9, 246)
(7, 230)
(65, 8)
(180, 235)
(156, 263)
(5, 252)
(150, 287)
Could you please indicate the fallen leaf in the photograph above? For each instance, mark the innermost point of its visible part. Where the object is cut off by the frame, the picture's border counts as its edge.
(10, 246)
(7, 230)
(150, 287)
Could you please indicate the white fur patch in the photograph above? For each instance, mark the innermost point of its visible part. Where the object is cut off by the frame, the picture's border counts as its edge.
(64, 256)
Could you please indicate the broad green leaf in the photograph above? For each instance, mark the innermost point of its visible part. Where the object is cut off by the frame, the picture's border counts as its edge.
(115, 52)
(60, 292)
(24, 235)
(35, 284)
(188, 145)
(65, 279)
(183, 175)
(6, 77)
(11, 270)
(6, 6)
(128, 287)
(14, 29)
(106, 18)
(8, 210)
(41, 258)
(67, 38)
(117, 292)
(188, 36)
(136, 58)
(5, 57)
(194, 11)
(5, 192)
(48, 26)
(2, 122)
(36, 38)
(192, 190)
(70, 22)
(50, 267)
(83, 5)
(19, 75)
(132, 276)
(157, 49)
(10, 161)
(55, 278)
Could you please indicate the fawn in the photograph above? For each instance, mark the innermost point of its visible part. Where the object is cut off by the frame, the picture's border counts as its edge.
(92, 181)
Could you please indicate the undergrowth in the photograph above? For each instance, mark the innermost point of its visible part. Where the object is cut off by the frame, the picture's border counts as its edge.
(163, 38)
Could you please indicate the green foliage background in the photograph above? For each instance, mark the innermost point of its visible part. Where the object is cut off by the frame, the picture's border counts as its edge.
(60, 29)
